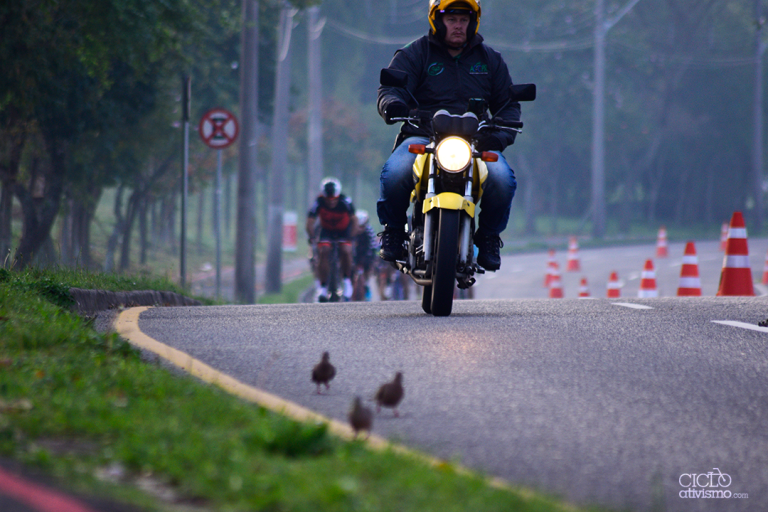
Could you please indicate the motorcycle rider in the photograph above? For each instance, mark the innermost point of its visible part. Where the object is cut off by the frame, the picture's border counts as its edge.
(337, 222)
(445, 69)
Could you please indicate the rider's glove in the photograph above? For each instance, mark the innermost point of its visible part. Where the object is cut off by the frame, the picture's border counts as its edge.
(395, 109)
(489, 142)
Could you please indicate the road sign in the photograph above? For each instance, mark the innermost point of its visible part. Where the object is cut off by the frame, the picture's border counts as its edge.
(218, 128)
(290, 231)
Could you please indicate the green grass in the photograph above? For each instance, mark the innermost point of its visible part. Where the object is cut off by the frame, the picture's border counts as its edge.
(78, 404)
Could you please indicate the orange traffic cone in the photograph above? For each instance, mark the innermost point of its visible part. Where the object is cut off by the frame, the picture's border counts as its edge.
(661, 243)
(765, 270)
(614, 287)
(723, 235)
(574, 265)
(736, 277)
(550, 262)
(555, 285)
(690, 284)
(583, 288)
(648, 281)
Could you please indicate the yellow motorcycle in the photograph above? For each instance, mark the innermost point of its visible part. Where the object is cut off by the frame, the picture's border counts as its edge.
(448, 175)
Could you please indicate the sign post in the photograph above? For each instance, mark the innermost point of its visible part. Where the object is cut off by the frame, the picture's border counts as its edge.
(218, 128)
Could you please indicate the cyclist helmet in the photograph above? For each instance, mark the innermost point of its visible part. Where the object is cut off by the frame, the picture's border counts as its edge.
(439, 7)
(362, 217)
(330, 187)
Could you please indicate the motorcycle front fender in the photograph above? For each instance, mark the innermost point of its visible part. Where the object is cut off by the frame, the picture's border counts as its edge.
(449, 201)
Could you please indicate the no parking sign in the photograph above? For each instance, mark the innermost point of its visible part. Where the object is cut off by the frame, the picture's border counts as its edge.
(218, 128)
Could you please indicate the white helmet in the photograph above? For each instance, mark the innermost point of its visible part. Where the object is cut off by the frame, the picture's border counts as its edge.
(362, 216)
(330, 187)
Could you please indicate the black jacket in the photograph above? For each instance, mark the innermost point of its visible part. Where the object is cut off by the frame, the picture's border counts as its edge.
(439, 81)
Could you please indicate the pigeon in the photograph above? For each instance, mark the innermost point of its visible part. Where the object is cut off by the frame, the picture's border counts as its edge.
(360, 417)
(323, 372)
(390, 394)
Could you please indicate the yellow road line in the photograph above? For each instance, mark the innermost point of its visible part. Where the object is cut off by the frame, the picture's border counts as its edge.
(127, 326)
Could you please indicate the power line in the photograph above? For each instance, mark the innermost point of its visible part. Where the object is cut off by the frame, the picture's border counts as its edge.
(369, 38)
(552, 46)
(692, 61)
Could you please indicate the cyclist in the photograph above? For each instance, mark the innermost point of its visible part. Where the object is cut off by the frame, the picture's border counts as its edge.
(335, 215)
(366, 248)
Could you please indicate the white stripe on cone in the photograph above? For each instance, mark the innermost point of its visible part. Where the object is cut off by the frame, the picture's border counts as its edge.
(737, 233)
(690, 282)
(736, 261)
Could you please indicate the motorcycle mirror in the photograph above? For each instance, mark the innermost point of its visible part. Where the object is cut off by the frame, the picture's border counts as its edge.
(522, 92)
(393, 78)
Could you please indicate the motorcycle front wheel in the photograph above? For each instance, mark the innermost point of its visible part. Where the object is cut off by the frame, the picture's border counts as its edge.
(445, 256)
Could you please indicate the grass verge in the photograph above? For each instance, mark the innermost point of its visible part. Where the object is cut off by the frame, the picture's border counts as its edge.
(84, 406)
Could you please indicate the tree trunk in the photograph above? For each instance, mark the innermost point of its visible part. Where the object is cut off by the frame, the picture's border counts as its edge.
(315, 114)
(40, 204)
(6, 216)
(13, 139)
(279, 161)
(65, 234)
(245, 256)
(85, 212)
(143, 235)
(200, 213)
(130, 217)
(109, 258)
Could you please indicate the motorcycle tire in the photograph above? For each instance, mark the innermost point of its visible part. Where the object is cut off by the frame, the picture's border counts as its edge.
(446, 254)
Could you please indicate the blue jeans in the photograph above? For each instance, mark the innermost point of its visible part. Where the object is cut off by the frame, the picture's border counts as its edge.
(397, 184)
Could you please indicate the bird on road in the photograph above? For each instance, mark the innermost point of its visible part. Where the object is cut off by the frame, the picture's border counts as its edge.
(390, 394)
(323, 372)
(360, 417)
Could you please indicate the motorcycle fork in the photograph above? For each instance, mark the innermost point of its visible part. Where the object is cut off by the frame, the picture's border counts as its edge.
(465, 231)
(428, 234)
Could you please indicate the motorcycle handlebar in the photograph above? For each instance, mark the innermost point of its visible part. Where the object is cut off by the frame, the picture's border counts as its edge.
(421, 116)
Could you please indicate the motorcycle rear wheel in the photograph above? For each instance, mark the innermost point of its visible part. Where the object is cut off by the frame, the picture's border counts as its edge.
(446, 253)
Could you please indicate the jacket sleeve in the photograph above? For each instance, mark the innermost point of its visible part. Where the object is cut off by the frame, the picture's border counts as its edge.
(405, 59)
(499, 96)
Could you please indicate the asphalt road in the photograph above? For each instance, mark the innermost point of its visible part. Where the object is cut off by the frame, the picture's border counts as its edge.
(586, 399)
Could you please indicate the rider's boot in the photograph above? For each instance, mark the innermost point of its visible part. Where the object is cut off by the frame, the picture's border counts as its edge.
(392, 244)
(488, 250)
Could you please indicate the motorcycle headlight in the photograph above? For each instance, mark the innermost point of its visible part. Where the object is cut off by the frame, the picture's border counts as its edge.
(453, 154)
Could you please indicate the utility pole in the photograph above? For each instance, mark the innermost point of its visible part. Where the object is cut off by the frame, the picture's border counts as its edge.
(186, 83)
(757, 157)
(598, 125)
(245, 245)
(279, 164)
(315, 121)
(598, 114)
